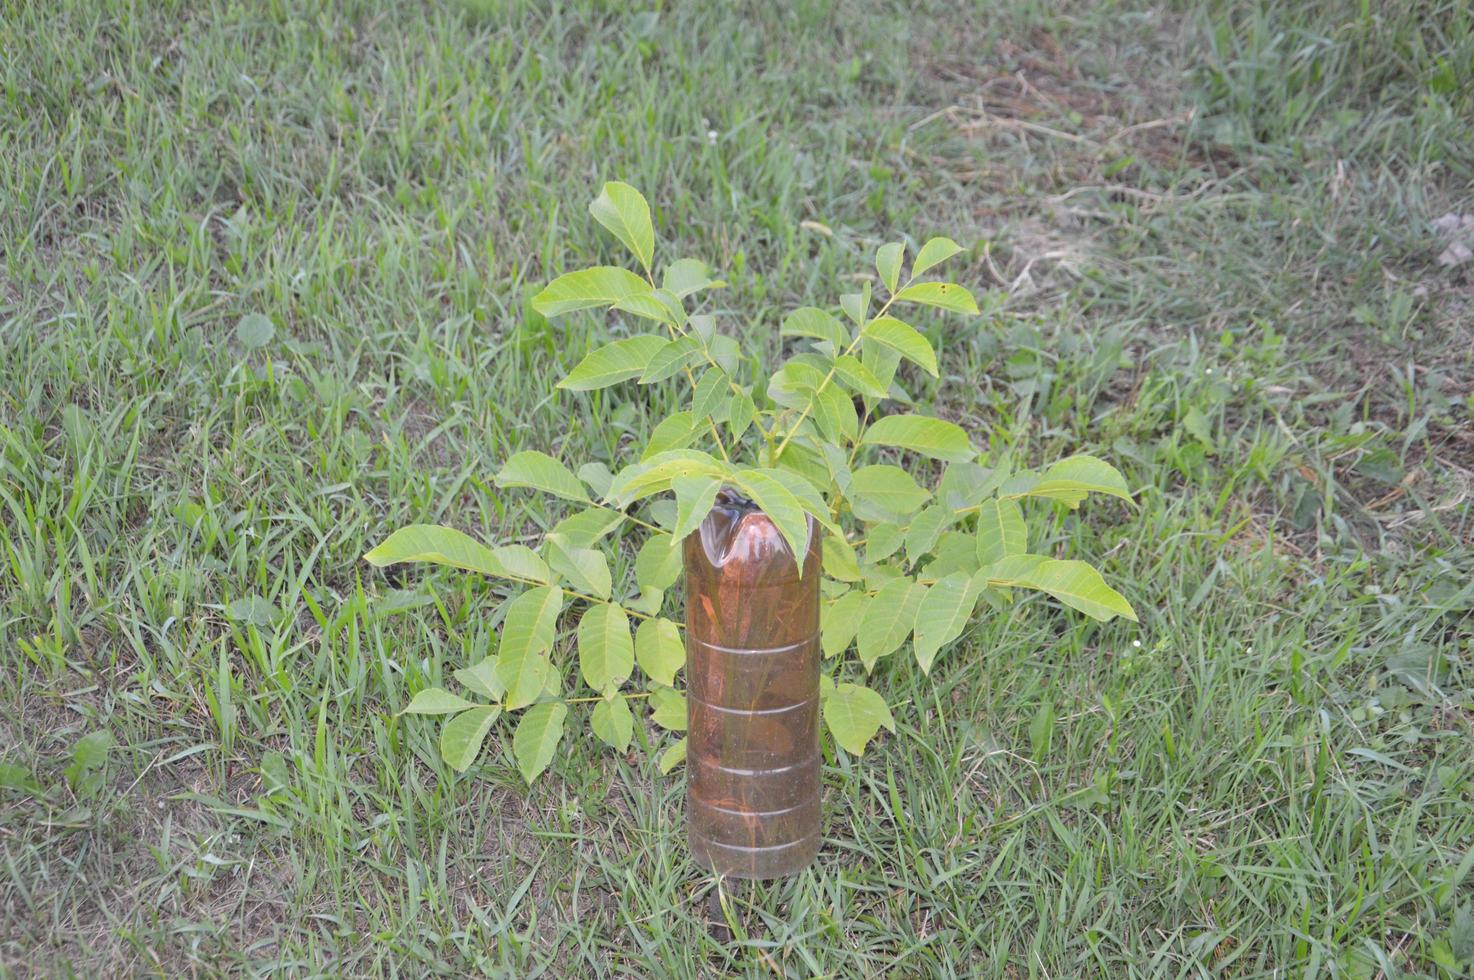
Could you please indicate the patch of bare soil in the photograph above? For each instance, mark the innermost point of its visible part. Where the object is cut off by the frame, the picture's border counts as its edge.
(1037, 135)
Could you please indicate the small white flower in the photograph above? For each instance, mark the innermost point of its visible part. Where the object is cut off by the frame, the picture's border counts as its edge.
(1208, 371)
(1136, 643)
(711, 137)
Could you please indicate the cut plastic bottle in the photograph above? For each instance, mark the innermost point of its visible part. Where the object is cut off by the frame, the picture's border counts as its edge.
(752, 674)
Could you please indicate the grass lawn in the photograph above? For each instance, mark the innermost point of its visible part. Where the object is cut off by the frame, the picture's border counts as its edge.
(1209, 237)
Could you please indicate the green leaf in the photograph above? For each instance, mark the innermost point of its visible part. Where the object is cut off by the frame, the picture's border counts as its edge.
(883, 541)
(658, 564)
(672, 757)
(254, 330)
(782, 508)
(679, 353)
(659, 650)
(810, 321)
(839, 621)
(520, 562)
(1069, 481)
(537, 737)
(461, 738)
(856, 305)
(942, 614)
(651, 306)
(606, 653)
(586, 569)
(921, 434)
(934, 252)
(686, 276)
(888, 619)
(924, 531)
(835, 414)
(527, 636)
(943, 295)
(596, 477)
(612, 722)
(888, 260)
(603, 285)
(1073, 583)
(481, 678)
(1001, 530)
(839, 561)
(675, 431)
(622, 209)
(904, 340)
(447, 546)
(668, 708)
(613, 363)
(655, 474)
(540, 471)
(853, 714)
(436, 701)
(884, 492)
(741, 416)
(850, 370)
(588, 527)
(966, 485)
(955, 551)
(695, 496)
(794, 384)
(707, 397)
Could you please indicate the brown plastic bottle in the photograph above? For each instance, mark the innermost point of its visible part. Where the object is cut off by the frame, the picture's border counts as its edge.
(752, 678)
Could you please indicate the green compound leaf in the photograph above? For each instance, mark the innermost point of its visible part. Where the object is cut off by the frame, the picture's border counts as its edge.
(537, 737)
(854, 714)
(461, 738)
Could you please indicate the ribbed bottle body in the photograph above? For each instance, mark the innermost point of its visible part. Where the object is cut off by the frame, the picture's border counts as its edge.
(752, 678)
